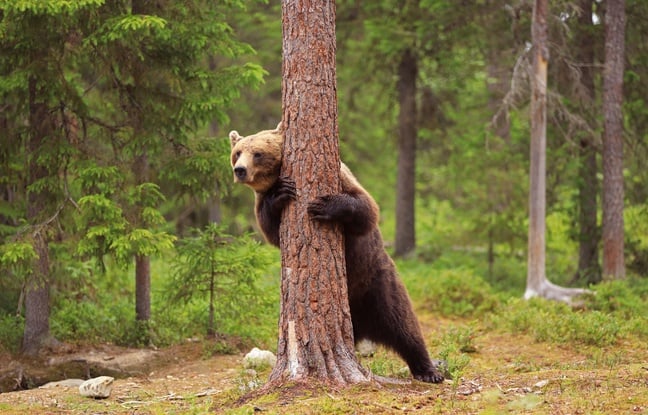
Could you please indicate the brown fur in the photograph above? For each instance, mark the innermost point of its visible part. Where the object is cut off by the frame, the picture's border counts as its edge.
(381, 310)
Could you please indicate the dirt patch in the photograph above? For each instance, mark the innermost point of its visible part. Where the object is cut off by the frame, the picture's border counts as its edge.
(20, 373)
(145, 377)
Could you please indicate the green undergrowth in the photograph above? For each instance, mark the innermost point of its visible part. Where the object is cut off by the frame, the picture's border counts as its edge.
(99, 307)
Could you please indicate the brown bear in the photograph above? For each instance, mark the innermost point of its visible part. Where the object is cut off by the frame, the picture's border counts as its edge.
(381, 310)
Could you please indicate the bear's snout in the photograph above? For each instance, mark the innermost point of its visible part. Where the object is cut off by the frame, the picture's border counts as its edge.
(240, 172)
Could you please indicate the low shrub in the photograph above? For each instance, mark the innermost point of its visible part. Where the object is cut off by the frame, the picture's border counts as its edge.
(451, 292)
(11, 332)
(556, 322)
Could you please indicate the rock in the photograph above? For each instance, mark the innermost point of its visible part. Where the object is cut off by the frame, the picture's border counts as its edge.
(366, 348)
(259, 358)
(99, 387)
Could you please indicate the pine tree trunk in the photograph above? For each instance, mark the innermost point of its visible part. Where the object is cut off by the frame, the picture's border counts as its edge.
(613, 193)
(588, 257)
(37, 307)
(37, 286)
(142, 288)
(405, 241)
(142, 263)
(315, 332)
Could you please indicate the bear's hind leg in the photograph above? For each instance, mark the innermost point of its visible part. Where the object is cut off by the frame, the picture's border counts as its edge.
(395, 325)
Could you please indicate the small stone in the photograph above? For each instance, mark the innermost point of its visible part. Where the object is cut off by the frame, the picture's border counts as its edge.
(99, 387)
(366, 348)
(259, 358)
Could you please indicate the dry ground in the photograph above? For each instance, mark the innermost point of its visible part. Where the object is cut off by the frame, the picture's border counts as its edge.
(507, 374)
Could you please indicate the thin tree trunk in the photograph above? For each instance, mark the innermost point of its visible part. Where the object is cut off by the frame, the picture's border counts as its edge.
(142, 288)
(142, 262)
(613, 193)
(537, 283)
(211, 325)
(537, 175)
(588, 257)
(37, 286)
(588, 235)
(315, 331)
(405, 241)
(37, 307)
(141, 174)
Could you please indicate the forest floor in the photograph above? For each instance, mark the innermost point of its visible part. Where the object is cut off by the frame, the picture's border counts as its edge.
(506, 374)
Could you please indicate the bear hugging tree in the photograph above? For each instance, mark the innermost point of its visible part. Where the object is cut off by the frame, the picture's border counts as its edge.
(381, 310)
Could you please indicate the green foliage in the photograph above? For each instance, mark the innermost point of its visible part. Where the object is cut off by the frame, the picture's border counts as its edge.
(11, 332)
(625, 298)
(636, 236)
(384, 364)
(456, 342)
(197, 172)
(555, 322)
(90, 320)
(17, 258)
(222, 268)
(451, 292)
(51, 7)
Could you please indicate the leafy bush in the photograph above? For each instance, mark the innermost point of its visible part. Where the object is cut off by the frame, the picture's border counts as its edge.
(11, 332)
(88, 321)
(636, 236)
(620, 297)
(451, 292)
(556, 322)
(222, 273)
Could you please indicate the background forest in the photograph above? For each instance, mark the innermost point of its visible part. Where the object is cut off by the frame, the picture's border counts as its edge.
(120, 222)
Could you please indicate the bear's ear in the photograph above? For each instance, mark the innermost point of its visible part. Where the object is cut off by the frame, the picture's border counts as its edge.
(278, 127)
(234, 137)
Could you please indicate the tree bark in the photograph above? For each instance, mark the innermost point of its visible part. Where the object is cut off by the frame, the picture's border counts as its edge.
(588, 233)
(315, 331)
(141, 174)
(537, 283)
(37, 286)
(613, 192)
(405, 241)
(537, 174)
(142, 288)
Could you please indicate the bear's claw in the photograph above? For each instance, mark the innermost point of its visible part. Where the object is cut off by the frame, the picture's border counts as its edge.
(319, 208)
(286, 189)
(431, 376)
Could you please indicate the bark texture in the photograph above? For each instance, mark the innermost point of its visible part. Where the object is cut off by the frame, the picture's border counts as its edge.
(141, 174)
(37, 286)
(613, 192)
(588, 232)
(315, 331)
(405, 241)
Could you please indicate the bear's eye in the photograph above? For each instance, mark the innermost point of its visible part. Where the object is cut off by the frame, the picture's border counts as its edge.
(257, 155)
(237, 154)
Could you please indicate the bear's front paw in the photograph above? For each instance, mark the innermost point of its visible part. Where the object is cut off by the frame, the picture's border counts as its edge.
(286, 190)
(320, 208)
(430, 376)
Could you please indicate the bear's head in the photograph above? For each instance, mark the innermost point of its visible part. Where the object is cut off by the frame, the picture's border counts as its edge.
(256, 159)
